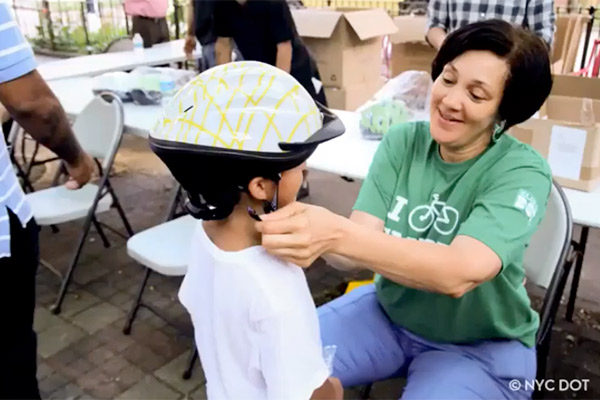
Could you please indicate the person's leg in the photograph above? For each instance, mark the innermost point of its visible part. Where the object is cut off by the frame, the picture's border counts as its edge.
(208, 56)
(144, 27)
(18, 342)
(163, 31)
(368, 349)
(483, 371)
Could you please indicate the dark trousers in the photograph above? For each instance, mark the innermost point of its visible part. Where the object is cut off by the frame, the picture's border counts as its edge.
(18, 341)
(152, 30)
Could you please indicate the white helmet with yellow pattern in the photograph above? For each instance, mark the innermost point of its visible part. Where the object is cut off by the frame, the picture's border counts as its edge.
(235, 122)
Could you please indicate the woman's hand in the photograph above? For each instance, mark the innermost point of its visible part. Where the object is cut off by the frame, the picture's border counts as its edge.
(300, 233)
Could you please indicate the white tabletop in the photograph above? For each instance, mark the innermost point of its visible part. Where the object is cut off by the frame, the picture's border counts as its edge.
(163, 53)
(349, 155)
(75, 93)
(585, 207)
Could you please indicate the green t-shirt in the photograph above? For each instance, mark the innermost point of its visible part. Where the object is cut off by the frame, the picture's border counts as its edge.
(498, 198)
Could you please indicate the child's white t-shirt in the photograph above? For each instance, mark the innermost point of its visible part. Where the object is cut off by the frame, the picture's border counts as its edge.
(255, 324)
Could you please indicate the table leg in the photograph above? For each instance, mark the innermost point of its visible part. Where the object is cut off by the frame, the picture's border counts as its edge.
(577, 274)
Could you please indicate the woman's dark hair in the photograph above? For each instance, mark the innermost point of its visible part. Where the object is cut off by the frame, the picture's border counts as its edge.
(529, 81)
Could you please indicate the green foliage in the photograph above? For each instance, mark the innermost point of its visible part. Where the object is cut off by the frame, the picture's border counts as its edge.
(73, 40)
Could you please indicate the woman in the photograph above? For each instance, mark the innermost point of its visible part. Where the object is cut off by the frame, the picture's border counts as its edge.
(448, 310)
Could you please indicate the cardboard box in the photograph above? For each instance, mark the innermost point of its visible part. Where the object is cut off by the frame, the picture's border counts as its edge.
(352, 97)
(570, 29)
(571, 144)
(410, 51)
(576, 86)
(346, 45)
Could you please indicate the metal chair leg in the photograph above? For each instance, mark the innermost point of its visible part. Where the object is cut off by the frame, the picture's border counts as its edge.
(577, 273)
(32, 161)
(136, 304)
(67, 279)
(27, 186)
(124, 218)
(117, 205)
(101, 233)
(187, 374)
(366, 392)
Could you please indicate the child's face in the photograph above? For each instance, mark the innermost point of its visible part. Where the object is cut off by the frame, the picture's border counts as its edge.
(289, 185)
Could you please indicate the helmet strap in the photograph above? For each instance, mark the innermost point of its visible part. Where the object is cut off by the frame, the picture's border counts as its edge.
(272, 205)
(268, 206)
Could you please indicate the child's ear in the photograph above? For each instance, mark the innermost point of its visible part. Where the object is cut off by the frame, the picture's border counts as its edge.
(260, 188)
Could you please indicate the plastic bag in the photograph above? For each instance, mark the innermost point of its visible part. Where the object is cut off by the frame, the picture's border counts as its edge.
(118, 83)
(404, 98)
(143, 85)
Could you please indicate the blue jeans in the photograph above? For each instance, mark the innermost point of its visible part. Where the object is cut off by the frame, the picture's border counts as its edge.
(209, 59)
(371, 348)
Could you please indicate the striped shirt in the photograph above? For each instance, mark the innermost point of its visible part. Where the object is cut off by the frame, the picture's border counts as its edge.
(16, 60)
(537, 15)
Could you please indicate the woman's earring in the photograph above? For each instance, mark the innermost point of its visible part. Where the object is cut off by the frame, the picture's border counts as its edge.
(498, 130)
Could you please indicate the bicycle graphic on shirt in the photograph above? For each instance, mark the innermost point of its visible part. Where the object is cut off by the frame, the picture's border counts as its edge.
(443, 217)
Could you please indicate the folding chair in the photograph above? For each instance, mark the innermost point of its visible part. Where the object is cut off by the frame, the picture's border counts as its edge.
(119, 44)
(15, 130)
(99, 129)
(162, 249)
(548, 261)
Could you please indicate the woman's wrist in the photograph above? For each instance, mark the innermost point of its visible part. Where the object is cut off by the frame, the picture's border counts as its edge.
(341, 233)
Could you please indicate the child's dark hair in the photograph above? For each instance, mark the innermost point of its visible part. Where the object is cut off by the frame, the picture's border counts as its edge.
(530, 79)
(215, 186)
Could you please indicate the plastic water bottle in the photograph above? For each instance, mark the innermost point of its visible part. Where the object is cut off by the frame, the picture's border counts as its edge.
(167, 86)
(138, 43)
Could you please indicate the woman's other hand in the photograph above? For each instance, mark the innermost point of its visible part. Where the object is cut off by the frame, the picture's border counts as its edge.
(300, 233)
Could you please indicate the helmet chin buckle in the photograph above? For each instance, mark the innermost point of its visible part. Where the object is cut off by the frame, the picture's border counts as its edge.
(268, 207)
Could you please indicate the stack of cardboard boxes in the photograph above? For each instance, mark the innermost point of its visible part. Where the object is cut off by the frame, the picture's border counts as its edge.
(347, 46)
(567, 132)
(410, 51)
(570, 29)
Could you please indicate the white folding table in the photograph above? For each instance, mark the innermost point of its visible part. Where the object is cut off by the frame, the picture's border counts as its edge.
(96, 64)
(75, 93)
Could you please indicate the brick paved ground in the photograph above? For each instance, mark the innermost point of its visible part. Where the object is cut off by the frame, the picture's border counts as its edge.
(84, 354)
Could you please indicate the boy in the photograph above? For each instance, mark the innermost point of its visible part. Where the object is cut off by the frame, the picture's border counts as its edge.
(237, 138)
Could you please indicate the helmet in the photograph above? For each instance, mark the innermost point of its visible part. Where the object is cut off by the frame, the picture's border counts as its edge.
(235, 122)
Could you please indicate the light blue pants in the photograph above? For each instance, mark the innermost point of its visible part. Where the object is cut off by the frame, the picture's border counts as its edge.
(209, 58)
(371, 348)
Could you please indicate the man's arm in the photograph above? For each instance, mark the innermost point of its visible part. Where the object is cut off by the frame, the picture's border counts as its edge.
(190, 38)
(284, 56)
(34, 107)
(224, 32)
(541, 17)
(438, 22)
(280, 21)
(223, 50)
(435, 37)
(191, 26)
